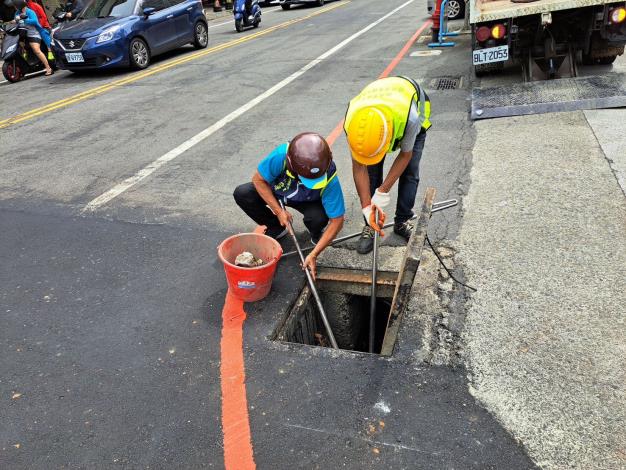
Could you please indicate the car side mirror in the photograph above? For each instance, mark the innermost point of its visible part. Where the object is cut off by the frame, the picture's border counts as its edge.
(148, 11)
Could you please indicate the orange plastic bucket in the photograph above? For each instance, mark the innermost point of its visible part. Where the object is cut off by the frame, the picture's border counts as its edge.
(250, 284)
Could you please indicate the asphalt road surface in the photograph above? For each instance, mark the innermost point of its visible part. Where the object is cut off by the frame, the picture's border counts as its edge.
(116, 189)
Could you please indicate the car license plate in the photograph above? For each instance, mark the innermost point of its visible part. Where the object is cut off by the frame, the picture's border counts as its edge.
(491, 54)
(73, 57)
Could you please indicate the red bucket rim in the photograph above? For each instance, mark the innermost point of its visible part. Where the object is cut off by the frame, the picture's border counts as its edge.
(225, 261)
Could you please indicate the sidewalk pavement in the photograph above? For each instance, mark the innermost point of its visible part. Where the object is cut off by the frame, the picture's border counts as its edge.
(544, 241)
(216, 15)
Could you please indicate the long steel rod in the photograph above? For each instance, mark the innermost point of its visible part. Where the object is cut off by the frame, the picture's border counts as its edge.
(441, 206)
(309, 278)
(373, 292)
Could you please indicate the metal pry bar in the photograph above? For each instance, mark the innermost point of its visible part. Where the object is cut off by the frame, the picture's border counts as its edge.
(309, 277)
(437, 206)
(373, 291)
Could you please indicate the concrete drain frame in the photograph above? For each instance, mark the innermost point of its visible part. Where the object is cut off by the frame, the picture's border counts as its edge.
(345, 294)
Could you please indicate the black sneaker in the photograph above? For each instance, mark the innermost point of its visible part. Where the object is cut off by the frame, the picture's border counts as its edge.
(366, 242)
(276, 232)
(404, 229)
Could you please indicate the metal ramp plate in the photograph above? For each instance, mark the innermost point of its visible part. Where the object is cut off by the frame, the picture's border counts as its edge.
(564, 94)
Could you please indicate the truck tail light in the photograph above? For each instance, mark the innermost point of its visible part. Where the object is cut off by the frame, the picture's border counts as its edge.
(498, 31)
(483, 33)
(617, 15)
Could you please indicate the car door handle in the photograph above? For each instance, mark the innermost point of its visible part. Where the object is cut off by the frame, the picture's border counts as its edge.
(169, 16)
(190, 8)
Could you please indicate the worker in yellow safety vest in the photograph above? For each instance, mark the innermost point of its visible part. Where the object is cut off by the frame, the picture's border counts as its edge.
(389, 114)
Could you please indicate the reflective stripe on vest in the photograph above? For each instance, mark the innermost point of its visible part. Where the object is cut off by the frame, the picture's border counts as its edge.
(288, 187)
(423, 110)
(397, 94)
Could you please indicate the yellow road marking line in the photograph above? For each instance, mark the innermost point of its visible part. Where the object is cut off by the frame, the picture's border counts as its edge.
(156, 69)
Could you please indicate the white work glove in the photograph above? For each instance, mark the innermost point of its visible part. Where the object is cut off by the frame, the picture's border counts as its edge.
(380, 199)
(370, 217)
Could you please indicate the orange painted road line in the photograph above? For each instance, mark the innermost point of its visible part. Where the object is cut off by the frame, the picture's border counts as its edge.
(235, 421)
(238, 454)
(336, 132)
(396, 60)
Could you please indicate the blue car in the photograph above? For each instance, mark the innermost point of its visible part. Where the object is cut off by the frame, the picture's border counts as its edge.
(123, 33)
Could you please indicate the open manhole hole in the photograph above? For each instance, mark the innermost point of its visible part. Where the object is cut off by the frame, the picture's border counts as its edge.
(446, 83)
(347, 306)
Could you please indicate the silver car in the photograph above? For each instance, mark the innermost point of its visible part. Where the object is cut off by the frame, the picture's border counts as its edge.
(286, 4)
(454, 8)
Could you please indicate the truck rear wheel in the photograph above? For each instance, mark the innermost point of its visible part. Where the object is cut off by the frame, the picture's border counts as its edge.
(607, 60)
(601, 52)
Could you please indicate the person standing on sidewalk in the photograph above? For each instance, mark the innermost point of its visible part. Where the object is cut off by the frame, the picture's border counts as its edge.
(301, 173)
(389, 114)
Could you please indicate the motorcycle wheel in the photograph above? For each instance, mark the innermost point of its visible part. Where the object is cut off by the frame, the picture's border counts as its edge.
(256, 23)
(239, 26)
(12, 71)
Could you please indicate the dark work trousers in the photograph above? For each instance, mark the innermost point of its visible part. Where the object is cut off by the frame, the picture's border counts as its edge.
(247, 197)
(407, 184)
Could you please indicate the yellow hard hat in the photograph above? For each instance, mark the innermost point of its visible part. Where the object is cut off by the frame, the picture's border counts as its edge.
(369, 134)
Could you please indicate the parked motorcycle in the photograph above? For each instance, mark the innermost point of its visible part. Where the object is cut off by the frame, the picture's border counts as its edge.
(247, 13)
(19, 58)
(60, 16)
(69, 11)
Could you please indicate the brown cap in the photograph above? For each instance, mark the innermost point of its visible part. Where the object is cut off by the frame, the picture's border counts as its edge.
(309, 155)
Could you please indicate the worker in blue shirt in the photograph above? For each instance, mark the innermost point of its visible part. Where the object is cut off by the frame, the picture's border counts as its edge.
(303, 175)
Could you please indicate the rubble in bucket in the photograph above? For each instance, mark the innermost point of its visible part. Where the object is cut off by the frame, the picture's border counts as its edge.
(248, 260)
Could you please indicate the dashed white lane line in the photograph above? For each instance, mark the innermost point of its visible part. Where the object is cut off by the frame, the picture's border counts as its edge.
(196, 139)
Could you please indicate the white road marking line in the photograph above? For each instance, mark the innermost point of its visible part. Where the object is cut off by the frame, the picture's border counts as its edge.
(196, 139)
(220, 24)
(32, 74)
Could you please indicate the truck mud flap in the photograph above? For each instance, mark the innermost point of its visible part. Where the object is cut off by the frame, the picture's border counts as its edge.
(564, 94)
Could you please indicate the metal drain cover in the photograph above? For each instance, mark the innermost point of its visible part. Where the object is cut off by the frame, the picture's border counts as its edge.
(446, 83)
(563, 94)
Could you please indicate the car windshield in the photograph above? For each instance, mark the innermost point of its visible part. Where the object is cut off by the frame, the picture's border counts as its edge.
(106, 8)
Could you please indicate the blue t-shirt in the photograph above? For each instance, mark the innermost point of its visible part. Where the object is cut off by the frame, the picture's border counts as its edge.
(32, 21)
(272, 166)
